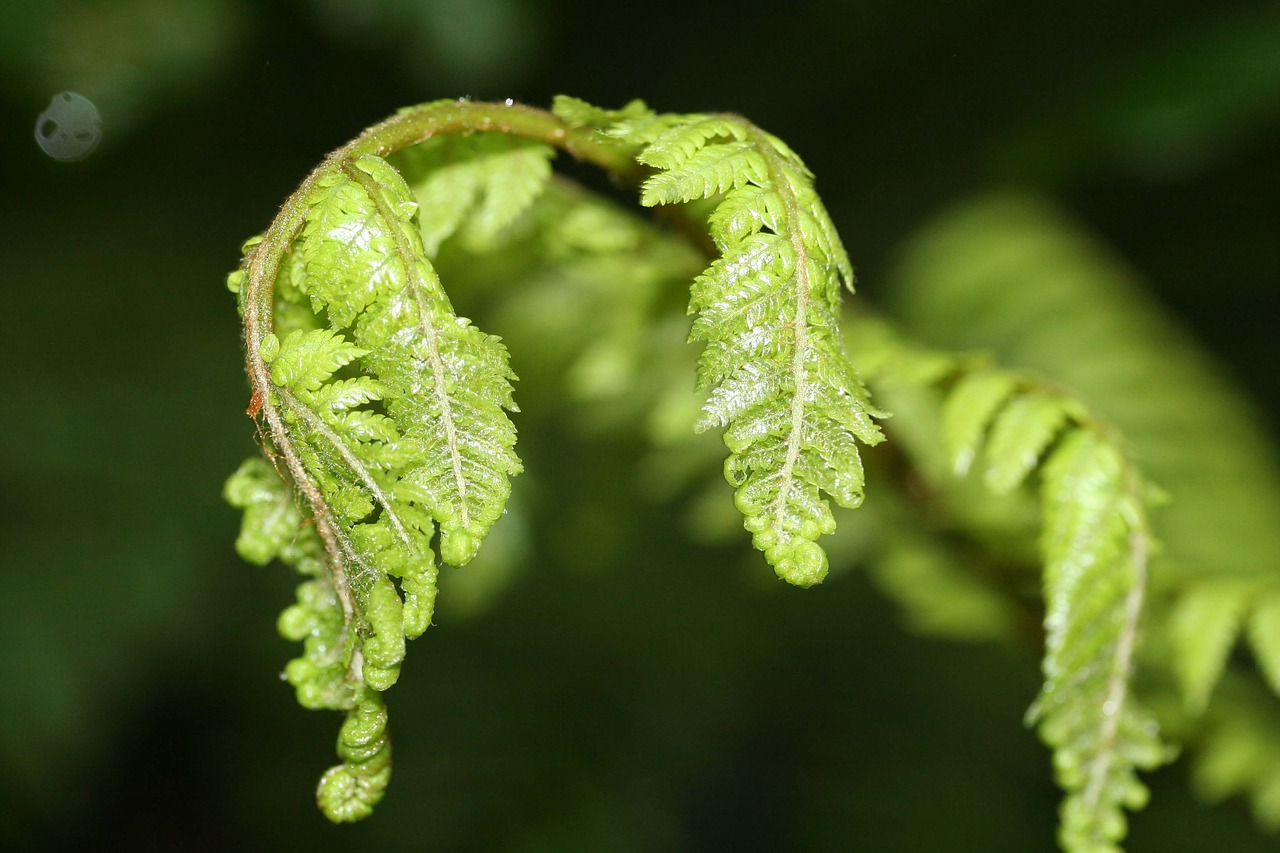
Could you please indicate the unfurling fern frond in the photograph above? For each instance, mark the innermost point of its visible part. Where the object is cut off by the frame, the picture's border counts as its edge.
(389, 413)
(1014, 275)
(792, 407)
(1002, 427)
(1095, 542)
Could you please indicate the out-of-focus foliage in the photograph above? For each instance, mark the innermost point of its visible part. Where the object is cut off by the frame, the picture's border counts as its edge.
(1010, 275)
(133, 643)
(127, 56)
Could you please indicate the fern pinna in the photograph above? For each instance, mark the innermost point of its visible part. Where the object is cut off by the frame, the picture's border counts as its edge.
(1095, 544)
(388, 444)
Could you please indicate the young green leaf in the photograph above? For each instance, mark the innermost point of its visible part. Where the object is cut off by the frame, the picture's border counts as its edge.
(1095, 550)
(1019, 436)
(792, 407)
(1203, 627)
(968, 412)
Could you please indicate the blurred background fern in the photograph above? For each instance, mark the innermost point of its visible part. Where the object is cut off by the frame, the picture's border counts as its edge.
(614, 673)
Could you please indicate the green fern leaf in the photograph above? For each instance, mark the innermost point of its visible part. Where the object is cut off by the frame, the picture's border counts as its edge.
(1095, 567)
(1019, 435)
(791, 406)
(1203, 627)
(968, 412)
(1094, 546)
(476, 186)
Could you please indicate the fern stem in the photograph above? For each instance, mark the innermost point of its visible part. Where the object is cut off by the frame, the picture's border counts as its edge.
(329, 534)
(1122, 670)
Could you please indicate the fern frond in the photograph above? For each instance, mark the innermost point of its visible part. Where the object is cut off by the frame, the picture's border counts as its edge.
(445, 385)
(477, 186)
(1203, 625)
(1094, 545)
(792, 407)
(1012, 274)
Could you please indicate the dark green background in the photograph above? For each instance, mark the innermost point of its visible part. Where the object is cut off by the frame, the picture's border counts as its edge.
(628, 690)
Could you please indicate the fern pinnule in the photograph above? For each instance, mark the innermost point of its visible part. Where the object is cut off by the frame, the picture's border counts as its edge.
(348, 792)
(475, 186)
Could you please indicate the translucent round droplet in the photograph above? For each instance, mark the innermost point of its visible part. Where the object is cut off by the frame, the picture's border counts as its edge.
(69, 128)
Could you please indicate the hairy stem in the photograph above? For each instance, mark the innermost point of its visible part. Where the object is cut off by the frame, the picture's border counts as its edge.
(1122, 669)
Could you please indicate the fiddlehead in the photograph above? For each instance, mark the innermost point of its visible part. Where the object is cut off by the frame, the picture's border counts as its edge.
(389, 413)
